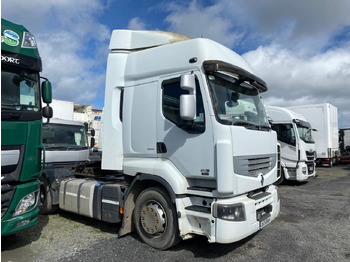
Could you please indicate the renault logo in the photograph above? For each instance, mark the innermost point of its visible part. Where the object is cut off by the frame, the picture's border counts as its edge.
(262, 179)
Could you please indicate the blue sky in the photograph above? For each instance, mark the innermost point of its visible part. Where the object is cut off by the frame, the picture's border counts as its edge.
(300, 48)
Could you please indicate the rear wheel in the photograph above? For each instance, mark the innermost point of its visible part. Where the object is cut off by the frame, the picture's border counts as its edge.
(330, 162)
(155, 219)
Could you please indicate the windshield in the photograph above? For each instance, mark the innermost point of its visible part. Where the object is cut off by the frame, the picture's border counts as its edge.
(64, 137)
(305, 133)
(237, 103)
(19, 89)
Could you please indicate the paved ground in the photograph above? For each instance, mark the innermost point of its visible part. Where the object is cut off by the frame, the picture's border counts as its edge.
(314, 225)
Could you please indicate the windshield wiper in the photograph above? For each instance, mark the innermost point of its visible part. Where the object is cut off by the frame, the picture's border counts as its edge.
(56, 147)
(246, 124)
(11, 115)
(21, 105)
(77, 148)
(250, 125)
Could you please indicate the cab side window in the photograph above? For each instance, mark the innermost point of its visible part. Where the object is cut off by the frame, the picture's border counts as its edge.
(285, 133)
(171, 106)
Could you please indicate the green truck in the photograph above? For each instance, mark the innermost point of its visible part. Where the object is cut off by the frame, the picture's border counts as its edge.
(22, 151)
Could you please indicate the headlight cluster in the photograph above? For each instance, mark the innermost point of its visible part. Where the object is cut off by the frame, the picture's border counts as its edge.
(304, 170)
(27, 203)
(229, 212)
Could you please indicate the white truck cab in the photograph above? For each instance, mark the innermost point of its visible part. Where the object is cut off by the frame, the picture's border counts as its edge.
(298, 150)
(65, 142)
(187, 148)
(66, 148)
(188, 113)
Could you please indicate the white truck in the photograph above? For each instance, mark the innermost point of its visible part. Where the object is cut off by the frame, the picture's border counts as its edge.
(66, 149)
(324, 122)
(187, 146)
(298, 150)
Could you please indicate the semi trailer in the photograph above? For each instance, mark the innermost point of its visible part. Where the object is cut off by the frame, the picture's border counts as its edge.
(21, 119)
(187, 146)
(298, 150)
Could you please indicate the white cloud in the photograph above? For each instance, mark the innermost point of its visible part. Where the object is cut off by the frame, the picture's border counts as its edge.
(72, 43)
(304, 52)
(296, 79)
(299, 25)
(136, 24)
(197, 21)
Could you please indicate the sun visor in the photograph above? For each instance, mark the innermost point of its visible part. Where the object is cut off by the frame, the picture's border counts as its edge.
(217, 66)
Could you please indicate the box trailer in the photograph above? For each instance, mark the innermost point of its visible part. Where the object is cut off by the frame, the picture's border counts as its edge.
(63, 109)
(323, 118)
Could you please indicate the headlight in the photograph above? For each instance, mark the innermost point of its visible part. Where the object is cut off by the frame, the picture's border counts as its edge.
(28, 202)
(304, 170)
(229, 212)
(28, 40)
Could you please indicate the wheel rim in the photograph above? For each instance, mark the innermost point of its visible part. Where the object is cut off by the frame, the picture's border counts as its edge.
(153, 218)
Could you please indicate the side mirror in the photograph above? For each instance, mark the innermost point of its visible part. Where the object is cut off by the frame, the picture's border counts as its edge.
(46, 91)
(188, 101)
(47, 112)
(92, 142)
(92, 132)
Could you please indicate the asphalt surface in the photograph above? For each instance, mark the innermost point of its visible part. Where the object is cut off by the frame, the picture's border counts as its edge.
(313, 225)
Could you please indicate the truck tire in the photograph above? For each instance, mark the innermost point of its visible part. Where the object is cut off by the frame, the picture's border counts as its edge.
(44, 202)
(330, 162)
(281, 178)
(155, 219)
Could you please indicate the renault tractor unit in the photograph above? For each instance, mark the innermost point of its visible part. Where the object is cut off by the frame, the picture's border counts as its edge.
(187, 146)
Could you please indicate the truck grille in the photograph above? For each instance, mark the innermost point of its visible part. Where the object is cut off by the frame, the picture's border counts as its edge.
(310, 155)
(279, 170)
(253, 166)
(7, 192)
(310, 167)
(11, 172)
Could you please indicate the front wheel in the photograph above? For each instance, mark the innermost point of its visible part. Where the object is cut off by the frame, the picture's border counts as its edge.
(44, 202)
(155, 219)
(281, 178)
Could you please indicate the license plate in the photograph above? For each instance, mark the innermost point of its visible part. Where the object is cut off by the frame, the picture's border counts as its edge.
(265, 221)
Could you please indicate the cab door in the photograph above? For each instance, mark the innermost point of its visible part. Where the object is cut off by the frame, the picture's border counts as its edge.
(187, 144)
(289, 148)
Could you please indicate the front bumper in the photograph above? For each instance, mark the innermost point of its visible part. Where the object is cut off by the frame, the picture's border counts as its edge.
(11, 224)
(304, 171)
(230, 231)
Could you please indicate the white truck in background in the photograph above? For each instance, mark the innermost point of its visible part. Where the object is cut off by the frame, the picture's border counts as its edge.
(187, 146)
(324, 122)
(298, 150)
(66, 149)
